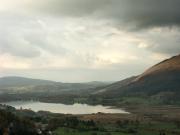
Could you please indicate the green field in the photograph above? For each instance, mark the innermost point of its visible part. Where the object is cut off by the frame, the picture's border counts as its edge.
(156, 128)
(68, 131)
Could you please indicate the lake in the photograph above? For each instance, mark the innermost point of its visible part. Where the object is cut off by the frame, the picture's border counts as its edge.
(62, 108)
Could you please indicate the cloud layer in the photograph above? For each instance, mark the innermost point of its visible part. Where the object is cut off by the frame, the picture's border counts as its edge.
(84, 40)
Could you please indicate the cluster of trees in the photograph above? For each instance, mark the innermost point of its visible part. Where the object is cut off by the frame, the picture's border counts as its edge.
(128, 126)
(72, 122)
(14, 125)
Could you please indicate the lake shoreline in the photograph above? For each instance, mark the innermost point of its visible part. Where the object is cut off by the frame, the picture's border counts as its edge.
(76, 108)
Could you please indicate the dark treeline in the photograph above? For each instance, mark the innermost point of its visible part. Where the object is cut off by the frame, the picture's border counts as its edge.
(11, 124)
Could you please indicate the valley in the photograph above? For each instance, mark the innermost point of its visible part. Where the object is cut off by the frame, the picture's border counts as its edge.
(159, 85)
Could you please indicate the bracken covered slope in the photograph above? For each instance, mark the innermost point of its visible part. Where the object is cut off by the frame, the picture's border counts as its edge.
(162, 82)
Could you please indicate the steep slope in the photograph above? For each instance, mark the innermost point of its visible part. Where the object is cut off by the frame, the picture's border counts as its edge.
(161, 82)
(169, 65)
(115, 85)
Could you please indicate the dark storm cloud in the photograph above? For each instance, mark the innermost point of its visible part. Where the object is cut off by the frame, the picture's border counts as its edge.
(131, 13)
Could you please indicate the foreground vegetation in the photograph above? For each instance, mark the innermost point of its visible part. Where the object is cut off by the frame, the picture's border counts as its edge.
(142, 121)
(125, 126)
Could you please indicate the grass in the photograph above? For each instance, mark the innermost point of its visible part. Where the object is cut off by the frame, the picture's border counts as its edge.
(68, 131)
(143, 121)
(142, 129)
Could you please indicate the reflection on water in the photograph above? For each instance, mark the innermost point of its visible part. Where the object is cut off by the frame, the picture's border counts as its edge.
(62, 108)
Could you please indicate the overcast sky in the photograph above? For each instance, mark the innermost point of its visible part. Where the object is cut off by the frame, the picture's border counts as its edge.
(86, 40)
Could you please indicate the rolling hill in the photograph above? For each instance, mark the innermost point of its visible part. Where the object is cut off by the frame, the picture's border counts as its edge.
(158, 84)
(13, 81)
(20, 88)
(18, 85)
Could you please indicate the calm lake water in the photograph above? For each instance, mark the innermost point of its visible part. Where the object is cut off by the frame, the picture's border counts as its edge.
(62, 108)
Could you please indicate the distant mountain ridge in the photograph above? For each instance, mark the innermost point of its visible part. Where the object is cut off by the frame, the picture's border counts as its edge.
(11, 81)
(19, 85)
